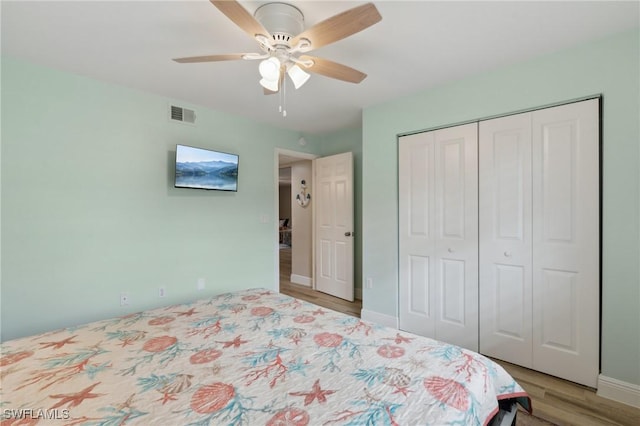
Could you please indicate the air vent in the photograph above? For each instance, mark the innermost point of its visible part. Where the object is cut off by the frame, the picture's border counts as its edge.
(182, 115)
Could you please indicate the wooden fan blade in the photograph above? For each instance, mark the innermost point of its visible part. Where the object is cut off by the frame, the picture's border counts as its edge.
(210, 58)
(340, 26)
(333, 70)
(241, 17)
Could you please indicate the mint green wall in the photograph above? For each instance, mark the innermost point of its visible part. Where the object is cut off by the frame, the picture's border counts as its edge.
(89, 209)
(0, 202)
(609, 66)
(348, 140)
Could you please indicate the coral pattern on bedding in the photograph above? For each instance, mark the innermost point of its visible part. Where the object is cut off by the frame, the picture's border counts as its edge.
(254, 357)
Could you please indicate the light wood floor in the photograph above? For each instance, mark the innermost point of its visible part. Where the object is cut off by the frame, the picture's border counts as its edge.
(566, 403)
(306, 293)
(555, 400)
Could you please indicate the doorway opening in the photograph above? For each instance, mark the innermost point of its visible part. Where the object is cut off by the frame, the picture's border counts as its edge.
(284, 223)
(295, 245)
(295, 219)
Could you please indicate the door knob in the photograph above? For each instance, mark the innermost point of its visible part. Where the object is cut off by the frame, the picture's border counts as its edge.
(507, 254)
(450, 250)
(349, 234)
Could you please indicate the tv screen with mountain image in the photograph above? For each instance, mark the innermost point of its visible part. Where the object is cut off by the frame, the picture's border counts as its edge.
(205, 169)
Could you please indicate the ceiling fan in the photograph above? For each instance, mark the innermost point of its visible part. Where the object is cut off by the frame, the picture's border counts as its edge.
(279, 30)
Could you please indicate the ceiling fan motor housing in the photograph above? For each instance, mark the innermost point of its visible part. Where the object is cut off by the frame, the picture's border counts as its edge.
(282, 20)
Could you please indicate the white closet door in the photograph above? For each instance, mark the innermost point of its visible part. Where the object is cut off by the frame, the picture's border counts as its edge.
(505, 239)
(456, 222)
(566, 241)
(417, 244)
(438, 229)
(539, 240)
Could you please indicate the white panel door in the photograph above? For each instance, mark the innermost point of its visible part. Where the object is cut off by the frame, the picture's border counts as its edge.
(438, 229)
(566, 241)
(505, 239)
(417, 245)
(334, 225)
(456, 233)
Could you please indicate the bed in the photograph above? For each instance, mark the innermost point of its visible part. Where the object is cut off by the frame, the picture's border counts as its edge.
(253, 357)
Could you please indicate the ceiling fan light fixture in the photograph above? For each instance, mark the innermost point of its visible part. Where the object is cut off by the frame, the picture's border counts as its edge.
(274, 26)
(298, 76)
(269, 84)
(270, 69)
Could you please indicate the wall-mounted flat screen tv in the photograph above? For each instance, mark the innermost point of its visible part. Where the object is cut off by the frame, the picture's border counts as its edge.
(206, 169)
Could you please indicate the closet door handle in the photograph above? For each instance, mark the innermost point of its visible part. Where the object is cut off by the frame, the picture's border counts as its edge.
(507, 254)
(450, 250)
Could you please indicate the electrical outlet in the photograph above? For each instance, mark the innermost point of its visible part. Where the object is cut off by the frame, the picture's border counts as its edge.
(161, 292)
(201, 283)
(124, 299)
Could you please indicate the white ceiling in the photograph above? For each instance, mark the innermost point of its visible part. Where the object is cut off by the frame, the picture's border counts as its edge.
(417, 45)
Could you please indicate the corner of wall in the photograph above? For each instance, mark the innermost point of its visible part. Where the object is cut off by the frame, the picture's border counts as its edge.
(382, 319)
(617, 390)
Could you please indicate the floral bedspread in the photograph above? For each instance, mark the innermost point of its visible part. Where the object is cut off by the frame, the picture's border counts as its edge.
(254, 358)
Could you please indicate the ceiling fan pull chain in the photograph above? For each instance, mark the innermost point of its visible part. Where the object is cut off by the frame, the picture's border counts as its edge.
(280, 100)
(284, 97)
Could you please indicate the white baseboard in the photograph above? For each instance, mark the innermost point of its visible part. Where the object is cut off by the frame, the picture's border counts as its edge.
(377, 317)
(300, 279)
(619, 391)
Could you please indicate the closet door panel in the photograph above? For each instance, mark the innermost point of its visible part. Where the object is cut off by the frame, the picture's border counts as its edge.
(416, 156)
(452, 291)
(438, 235)
(456, 234)
(559, 310)
(418, 291)
(451, 181)
(566, 272)
(505, 239)
(509, 285)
